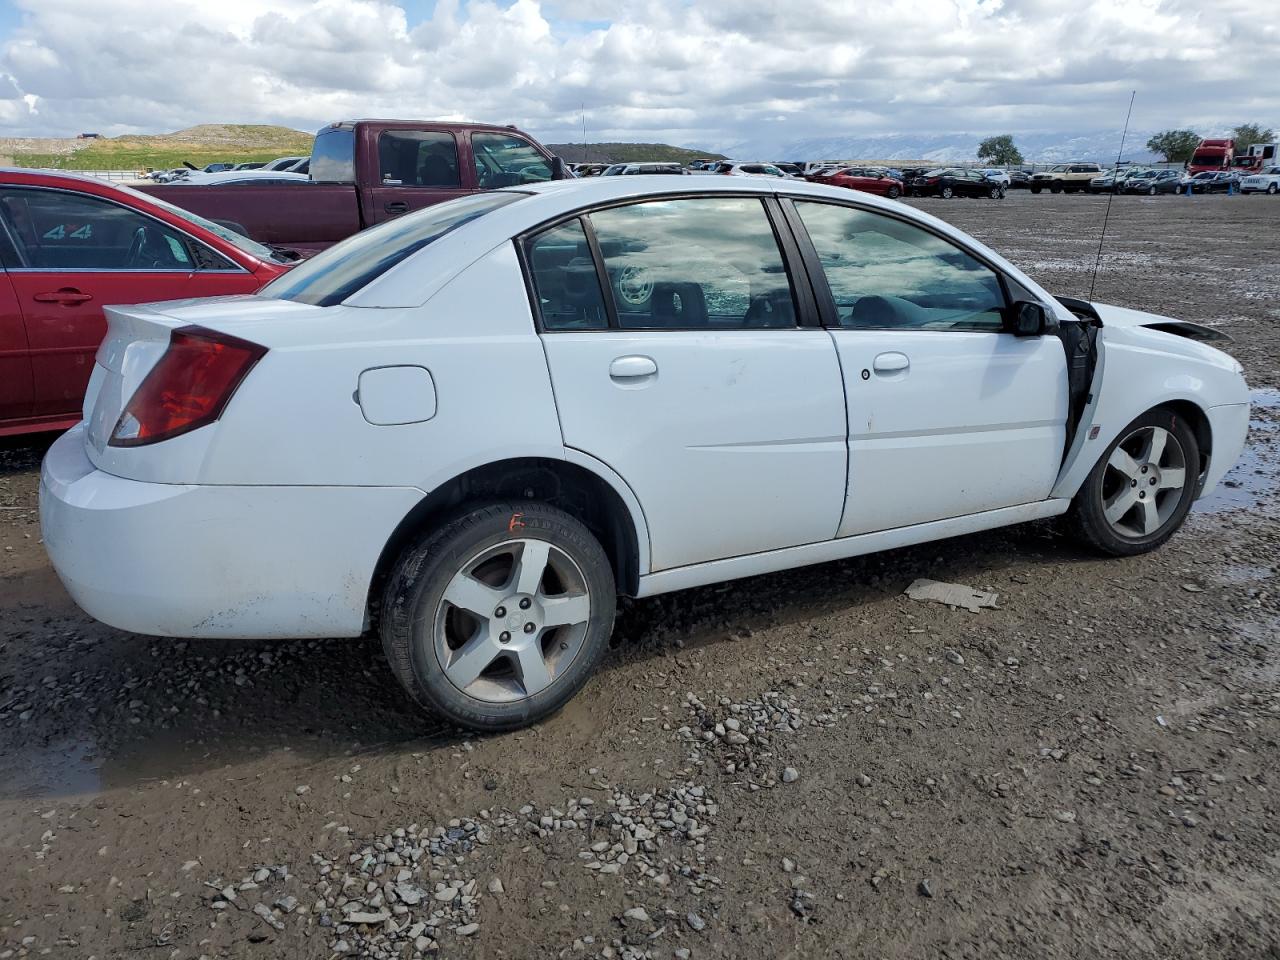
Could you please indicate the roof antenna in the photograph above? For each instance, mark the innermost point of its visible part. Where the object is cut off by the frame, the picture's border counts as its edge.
(1111, 196)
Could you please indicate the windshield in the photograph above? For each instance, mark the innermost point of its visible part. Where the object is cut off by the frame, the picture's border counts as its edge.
(238, 240)
(335, 274)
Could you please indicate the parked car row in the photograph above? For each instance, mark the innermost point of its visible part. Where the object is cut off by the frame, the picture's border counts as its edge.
(207, 174)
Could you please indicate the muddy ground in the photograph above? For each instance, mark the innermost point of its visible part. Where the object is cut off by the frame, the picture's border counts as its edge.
(1088, 770)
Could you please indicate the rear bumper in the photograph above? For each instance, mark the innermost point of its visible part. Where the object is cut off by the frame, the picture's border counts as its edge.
(1229, 429)
(214, 561)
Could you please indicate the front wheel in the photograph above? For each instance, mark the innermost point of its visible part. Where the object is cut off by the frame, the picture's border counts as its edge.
(893, 193)
(946, 193)
(497, 618)
(1138, 494)
(1035, 189)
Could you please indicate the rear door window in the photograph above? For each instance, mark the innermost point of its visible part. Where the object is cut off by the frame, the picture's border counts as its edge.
(418, 158)
(565, 280)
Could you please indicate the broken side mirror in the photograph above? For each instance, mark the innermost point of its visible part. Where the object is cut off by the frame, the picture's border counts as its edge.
(1031, 319)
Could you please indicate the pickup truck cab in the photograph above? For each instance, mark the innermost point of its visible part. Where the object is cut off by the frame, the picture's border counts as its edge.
(366, 171)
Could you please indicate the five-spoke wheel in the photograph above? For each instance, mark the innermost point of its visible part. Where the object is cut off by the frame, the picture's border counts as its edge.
(1139, 492)
(498, 617)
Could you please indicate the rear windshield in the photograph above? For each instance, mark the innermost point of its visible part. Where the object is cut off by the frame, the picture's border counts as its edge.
(333, 156)
(335, 274)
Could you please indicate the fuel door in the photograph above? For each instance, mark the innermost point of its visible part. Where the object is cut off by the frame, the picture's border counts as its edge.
(389, 396)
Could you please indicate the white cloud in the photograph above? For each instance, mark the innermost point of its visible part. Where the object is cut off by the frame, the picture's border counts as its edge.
(650, 69)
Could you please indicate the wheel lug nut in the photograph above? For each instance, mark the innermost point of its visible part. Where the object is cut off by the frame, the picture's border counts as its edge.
(525, 603)
(504, 637)
(529, 628)
(1142, 494)
(1133, 483)
(1152, 481)
(1144, 469)
(500, 612)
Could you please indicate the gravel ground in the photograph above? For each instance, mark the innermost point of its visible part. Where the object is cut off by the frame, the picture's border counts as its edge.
(801, 765)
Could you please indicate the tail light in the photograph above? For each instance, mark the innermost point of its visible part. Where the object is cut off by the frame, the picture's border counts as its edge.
(188, 388)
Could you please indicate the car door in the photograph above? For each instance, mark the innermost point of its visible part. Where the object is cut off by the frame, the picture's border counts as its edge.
(416, 168)
(676, 356)
(948, 414)
(15, 357)
(76, 254)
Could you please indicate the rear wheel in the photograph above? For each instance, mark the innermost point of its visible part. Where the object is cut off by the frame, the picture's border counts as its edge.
(496, 619)
(1139, 493)
(1056, 187)
(1272, 188)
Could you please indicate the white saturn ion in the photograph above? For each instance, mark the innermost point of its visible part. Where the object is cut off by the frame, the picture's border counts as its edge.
(470, 428)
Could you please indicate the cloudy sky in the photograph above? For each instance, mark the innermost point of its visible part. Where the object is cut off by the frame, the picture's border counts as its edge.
(706, 72)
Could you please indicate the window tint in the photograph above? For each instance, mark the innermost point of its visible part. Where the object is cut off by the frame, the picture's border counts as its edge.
(333, 156)
(565, 279)
(689, 264)
(888, 274)
(506, 161)
(335, 274)
(53, 230)
(418, 158)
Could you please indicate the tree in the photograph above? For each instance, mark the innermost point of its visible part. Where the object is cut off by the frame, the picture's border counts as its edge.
(1247, 134)
(999, 150)
(1176, 146)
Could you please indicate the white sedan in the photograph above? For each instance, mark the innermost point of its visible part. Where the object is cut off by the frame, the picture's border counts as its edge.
(470, 428)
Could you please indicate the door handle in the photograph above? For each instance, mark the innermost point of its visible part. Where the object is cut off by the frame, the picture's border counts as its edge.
(632, 368)
(891, 363)
(67, 295)
(396, 206)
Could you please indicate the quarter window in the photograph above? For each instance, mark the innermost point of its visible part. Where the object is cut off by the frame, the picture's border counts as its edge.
(53, 230)
(885, 273)
(694, 264)
(418, 158)
(506, 161)
(565, 279)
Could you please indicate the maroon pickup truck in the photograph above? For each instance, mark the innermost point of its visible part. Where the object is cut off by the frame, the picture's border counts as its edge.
(366, 171)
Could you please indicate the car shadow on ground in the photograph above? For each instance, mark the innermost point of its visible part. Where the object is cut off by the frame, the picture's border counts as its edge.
(122, 709)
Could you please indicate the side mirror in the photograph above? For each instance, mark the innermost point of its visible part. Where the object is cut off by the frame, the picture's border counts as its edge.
(1031, 319)
(559, 171)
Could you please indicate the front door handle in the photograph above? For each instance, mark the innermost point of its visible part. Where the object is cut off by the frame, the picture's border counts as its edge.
(891, 363)
(632, 368)
(396, 206)
(67, 295)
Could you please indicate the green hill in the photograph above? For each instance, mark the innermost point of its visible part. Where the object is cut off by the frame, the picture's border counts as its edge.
(200, 145)
(628, 152)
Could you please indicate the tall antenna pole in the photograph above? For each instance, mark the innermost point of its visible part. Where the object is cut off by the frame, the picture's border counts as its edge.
(586, 149)
(1097, 262)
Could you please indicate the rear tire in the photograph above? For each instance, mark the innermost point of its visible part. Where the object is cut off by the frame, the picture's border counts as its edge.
(1272, 189)
(1142, 487)
(497, 618)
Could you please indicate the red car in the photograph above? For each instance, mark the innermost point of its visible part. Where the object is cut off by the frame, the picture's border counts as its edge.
(72, 245)
(868, 181)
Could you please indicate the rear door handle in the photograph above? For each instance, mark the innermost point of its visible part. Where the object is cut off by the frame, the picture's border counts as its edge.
(891, 363)
(66, 295)
(632, 368)
(396, 206)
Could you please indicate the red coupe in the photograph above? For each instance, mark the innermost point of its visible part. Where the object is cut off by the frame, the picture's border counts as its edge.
(71, 245)
(868, 181)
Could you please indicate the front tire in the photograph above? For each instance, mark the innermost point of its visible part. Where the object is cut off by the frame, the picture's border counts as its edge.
(946, 193)
(1035, 189)
(893, 193)
(1141, 489)
(497, 618)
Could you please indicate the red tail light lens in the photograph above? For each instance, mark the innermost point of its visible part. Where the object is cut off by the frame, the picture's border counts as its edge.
(188, 388)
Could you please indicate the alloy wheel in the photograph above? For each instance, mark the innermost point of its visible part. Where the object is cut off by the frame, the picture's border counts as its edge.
(1143, 482)
(511, 620)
